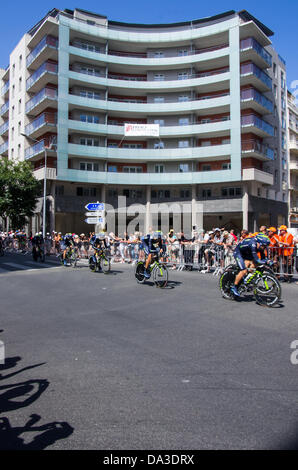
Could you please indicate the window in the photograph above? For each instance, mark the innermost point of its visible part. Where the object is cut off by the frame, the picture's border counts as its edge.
(112, 145)
(19, 127)
(182, 52)
(132, 169)
(20, 84)
(19, 150)
(159, 168)
(89, 118)
(83, 191)
(183, 98)
(59, 190)
(206, 167)
(12, 91)
(12, 133)
(159, 99)
(206, 193)
(205, 143)
(159, 77)
(183, 144)
(90, 94)
(89, 141)
(132, 146)
(88, 166)
(13, 70)
(112, 169)
(133, 193)
(182, 75)
(20, 61)
(274, 69)
(159, 145)
(20, 106)
(12, 112)
(205, 121)
(225, 141)
(112, 192)
(158, 54)
(226, 166)
(185, 193)
(183, 168)
(161, 122)
(275, 90)
(183, 121)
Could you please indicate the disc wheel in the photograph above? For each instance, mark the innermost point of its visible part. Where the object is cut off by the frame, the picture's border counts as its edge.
(267, 290)
(160, 276)
(105, 265)
(226, 281)
(139, 272)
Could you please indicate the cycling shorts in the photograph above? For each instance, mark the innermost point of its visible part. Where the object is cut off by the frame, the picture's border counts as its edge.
(239, 260)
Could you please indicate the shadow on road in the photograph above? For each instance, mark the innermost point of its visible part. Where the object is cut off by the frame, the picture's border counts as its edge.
(15, 396)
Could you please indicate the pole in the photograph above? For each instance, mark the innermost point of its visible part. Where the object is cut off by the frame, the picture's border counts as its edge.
(44, 195)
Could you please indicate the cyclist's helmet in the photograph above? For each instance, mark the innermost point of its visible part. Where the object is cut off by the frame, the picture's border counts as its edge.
(262, 239)
(157, 234)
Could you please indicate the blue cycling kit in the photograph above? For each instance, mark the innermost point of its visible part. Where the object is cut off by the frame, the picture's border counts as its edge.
(151, 244)
(247, 250)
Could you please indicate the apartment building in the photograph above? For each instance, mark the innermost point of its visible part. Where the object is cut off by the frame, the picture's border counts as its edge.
(293, 160)
(215, 86)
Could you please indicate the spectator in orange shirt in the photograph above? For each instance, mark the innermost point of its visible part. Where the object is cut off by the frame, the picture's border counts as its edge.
(287, 248)
(274, 247)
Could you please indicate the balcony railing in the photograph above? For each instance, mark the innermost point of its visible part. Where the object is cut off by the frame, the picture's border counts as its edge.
(253, 120)
(4, 108)
(34, 149)
(4, 127)
(44, 68)
(47, 41)
(45, 93)
(247, 69)
(255, 146)
(143, 55)
(172, 124)
(3, 147)
(251, 43)
(5, 88)
(252, 94)
(44, 119)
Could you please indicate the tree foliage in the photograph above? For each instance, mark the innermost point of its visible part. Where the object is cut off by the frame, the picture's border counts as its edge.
(19, 190)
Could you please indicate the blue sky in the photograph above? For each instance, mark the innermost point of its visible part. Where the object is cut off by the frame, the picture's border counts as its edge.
(17, 17)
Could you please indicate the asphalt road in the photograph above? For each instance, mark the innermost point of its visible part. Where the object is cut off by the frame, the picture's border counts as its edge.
(96, 361)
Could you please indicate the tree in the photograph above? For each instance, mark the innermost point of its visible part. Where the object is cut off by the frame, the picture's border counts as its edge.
(19, 190)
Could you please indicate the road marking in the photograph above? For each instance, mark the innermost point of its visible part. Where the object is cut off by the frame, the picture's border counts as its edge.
(15, 265)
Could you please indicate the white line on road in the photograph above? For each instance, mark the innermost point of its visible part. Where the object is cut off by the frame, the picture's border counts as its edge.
(14, 265)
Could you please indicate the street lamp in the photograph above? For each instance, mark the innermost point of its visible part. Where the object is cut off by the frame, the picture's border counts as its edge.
(44, 184)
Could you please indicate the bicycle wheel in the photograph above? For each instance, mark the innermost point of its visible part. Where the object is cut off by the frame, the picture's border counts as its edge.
(105, 265)
(73, 260)
(226, 281)
(267, 290)
(139, 272)
(92, 264)
(160, 275)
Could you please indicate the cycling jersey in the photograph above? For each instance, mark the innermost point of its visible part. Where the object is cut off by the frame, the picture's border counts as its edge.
(68, 241)
(247, 250)
(151, 245)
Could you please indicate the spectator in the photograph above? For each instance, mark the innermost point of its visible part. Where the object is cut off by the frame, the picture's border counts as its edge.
(287, 245)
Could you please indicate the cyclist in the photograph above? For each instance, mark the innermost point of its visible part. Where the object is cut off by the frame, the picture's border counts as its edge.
(152, 245)
(68, 244)
(246, 256)
(37, 243)
(99, 242)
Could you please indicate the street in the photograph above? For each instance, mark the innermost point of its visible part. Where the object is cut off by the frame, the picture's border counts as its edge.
(97, 361)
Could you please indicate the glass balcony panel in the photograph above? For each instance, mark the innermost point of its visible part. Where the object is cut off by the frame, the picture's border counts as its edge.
(5, 88)
(252, 120)
(252, 94)
(4, 127)
(45, 67)
(251, 43)
(4, 107)
(50, 41)
(34, 149)
(45, 118)
(247, 69)
(3, 147)
(50, 93)
(256, 146)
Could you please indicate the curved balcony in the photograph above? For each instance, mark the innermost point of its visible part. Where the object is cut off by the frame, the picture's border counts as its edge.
(4, 129)
(41, 101)
(4, 149)
(145, 178)
(4, 110)
(216, 127)
(46, 122)
(253, 148)
(171, 35)
(250, 49)
(251, 98)
(147, 62)
(46, 73)
(221, 104)
(203, 79)
(252, 75)
(145, 155)
(46, 49)
(256, 125)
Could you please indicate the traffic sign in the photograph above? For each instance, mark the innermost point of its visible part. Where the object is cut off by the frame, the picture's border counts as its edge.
(94, 220)
(95, 206)
(94, 214)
